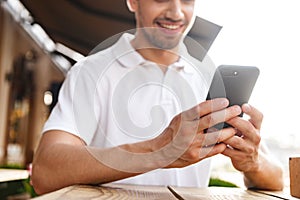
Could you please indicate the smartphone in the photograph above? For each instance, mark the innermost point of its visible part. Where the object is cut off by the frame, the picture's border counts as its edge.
(233, 82)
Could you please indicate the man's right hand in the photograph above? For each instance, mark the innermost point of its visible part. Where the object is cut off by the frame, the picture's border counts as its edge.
(184, 142)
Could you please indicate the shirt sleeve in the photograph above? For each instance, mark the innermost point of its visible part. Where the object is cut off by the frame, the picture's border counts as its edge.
(61, 117)
(74, 112)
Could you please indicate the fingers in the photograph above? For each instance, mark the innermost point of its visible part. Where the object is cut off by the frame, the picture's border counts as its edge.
(233, 153)
(211, 151)
(246, 128)
(213, 138)
(240, 144)
(256, 116)
(205, 108)
(218, 117)
(206, 145)
(241, 160)
(197, 155)
(210, 113)
(249, 129)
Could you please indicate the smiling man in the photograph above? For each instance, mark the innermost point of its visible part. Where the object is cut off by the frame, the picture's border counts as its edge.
(136, 113)
(169, 20)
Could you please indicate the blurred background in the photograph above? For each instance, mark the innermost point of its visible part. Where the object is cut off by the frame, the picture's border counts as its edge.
(263, 33)
(41, 40)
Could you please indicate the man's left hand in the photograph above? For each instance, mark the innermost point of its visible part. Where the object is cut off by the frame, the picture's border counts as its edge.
(243, 149)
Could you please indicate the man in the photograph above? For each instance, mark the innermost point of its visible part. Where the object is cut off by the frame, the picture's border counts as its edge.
(100, 130)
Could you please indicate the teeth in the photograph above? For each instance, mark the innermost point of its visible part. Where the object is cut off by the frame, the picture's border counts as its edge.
(171, 27)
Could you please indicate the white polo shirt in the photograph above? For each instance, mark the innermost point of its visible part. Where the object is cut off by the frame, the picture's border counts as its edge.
(115, 97)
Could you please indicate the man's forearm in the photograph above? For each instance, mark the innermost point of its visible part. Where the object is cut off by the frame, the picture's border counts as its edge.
(268, 176)
(63, 165)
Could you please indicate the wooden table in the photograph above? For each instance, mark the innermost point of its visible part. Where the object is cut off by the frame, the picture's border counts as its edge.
(7, 175)
(11, 181)
(133, 192)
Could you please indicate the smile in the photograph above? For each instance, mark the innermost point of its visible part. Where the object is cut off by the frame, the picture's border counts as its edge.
(170, 26)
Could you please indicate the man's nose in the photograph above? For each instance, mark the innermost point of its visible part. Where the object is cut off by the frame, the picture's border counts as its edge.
(175, 11)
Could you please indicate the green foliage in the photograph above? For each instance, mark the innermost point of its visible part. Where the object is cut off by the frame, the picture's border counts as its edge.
(28, 188)
(220, 183)
(12, 166)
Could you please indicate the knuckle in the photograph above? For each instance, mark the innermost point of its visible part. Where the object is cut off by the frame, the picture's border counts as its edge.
(208, 121)
(191, 155)
(258, 139)
(234, 141)
(232, 111)
(194, 155)
(251, 150)
(261, 117)
(197, 109)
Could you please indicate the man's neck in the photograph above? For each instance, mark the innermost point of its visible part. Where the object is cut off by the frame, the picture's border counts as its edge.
(159, 56)
(162, 57)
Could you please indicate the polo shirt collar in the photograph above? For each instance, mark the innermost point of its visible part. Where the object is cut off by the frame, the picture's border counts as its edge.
(125, 53)
(129, 57)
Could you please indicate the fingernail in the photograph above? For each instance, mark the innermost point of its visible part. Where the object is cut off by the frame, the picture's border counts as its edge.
(246, 108)
(238, 109)
(224, 102)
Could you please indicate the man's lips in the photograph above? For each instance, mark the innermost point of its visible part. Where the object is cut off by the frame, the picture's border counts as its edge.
(170, 26)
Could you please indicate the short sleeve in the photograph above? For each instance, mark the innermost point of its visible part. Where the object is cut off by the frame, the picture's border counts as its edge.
(74, 112)
(61, 117)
